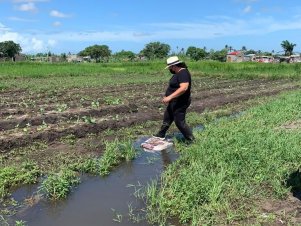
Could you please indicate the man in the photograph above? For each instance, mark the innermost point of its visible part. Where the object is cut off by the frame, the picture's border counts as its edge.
(177, 98)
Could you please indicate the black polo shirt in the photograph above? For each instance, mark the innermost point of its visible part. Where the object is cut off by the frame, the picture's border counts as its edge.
(182, 76)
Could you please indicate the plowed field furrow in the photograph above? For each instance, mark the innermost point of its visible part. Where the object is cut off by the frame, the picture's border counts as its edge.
(235, 98)
(72, 114)
(93, 94)
(76, 114)
(53, 118)
(242, 89)
(148, 110)
(36, 106)
(79, 130)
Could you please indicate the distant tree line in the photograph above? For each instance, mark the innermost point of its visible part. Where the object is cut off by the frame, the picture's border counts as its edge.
(152, 50)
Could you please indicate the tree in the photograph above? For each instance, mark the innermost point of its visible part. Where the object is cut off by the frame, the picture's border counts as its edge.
(125, 55)
(96, 52)
(64, 57)
(196, 53)
(9, 49)
(227, 47)
(250, 51)
(288, 47)
(154, 50)
(244, 49)
(219, 55)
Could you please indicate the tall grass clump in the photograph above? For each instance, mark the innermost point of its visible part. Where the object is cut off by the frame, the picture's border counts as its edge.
(58, 185)
(235, 163)
(115, 152)
(11, 176)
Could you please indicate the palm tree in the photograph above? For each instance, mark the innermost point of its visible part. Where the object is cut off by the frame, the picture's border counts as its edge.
(227, 48)
(288, 47)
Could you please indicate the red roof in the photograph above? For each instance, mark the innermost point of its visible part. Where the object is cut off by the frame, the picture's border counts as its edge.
(234, 53)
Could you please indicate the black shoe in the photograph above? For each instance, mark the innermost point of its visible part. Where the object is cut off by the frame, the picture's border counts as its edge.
(189, 140)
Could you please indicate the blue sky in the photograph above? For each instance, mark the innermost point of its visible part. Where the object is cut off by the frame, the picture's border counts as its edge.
(69, 26)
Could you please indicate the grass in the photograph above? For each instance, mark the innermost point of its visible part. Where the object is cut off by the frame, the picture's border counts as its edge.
(58, 186)
(11, 176)
(233, 164)
(246, 70)
(54, 76)
(47, 76)
(115, 153)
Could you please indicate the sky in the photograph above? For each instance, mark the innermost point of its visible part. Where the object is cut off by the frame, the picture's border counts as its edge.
(69, 26)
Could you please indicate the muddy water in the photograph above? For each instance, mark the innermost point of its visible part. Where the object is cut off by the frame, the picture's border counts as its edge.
(103, 201)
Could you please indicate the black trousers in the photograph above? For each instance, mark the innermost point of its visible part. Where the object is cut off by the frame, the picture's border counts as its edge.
(176, 112)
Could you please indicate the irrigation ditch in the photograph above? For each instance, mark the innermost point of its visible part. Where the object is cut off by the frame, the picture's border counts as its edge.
(116, 199)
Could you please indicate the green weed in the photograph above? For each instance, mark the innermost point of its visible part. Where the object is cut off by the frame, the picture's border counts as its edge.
(57, 186)
(11, 176)
(115, 152)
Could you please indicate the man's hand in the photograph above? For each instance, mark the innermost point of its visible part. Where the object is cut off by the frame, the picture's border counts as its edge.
(166, 100)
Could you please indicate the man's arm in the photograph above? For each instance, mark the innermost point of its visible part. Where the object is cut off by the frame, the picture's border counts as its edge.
(183, 87)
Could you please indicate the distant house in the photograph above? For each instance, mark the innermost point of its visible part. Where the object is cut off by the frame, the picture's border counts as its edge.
(87, 59)
(55, 59)
(17, 57)
(74, 58)
(250, 57)
(20, 57)
(236, 56)
(294, 59)
(264, 59)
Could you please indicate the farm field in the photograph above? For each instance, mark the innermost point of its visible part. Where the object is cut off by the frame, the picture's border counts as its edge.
(28, 117)
(52, 122)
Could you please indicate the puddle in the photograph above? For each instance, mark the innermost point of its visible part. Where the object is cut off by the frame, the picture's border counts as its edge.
(102, 200)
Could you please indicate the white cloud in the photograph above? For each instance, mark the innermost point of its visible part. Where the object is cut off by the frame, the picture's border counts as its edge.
(51, 42)
(37, 45)
(56, 24)
(20, 19)
(228, 27)
(7, 36)
(29, 43)
(30, 6)
(214, 27)
(247, 9)
(3, 28)
(56, 13)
